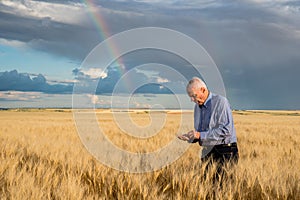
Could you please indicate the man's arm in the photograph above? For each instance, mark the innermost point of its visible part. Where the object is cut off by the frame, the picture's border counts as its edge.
(223, 125)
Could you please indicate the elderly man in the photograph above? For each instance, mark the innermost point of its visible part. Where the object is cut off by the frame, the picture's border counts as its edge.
(213, 123)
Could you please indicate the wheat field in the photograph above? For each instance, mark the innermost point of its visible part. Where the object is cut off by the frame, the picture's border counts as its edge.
(42, 157)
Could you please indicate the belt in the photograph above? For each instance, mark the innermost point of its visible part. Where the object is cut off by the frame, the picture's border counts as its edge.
(227, 145)
(234, 144)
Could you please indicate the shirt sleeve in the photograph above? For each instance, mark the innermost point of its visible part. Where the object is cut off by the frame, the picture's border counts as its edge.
(222, 125)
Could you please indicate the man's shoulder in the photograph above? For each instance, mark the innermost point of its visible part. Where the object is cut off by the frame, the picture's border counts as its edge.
(218, 97)
(219, 101)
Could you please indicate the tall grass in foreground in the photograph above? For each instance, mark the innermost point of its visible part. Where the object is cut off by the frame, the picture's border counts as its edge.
(42, 158)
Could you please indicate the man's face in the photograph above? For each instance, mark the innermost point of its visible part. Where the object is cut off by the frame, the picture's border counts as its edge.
(197, 95)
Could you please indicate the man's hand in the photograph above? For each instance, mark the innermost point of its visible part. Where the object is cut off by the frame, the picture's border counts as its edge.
(190, 136)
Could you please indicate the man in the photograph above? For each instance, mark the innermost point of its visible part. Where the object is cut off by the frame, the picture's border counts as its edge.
(213, 125)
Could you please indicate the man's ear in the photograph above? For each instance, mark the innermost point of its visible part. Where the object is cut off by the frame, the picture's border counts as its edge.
(202, 89)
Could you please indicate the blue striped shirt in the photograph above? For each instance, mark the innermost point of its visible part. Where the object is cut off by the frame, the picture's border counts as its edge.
(214, 121)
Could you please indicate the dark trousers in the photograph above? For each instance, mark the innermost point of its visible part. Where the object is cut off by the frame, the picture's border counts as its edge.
(222, 155)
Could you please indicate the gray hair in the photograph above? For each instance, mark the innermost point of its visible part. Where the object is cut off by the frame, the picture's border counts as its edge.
(196, 83)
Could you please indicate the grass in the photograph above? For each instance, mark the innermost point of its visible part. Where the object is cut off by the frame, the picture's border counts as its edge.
(42, 158)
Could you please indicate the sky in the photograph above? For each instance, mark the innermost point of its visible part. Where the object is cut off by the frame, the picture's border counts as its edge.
(254, 43)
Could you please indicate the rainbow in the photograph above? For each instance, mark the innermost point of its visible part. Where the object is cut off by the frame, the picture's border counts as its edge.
(103, 30)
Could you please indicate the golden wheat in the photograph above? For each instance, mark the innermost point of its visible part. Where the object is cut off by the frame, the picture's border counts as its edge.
(42, 157)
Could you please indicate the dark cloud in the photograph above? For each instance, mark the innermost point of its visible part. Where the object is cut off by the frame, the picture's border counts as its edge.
(60, 1)
(134, 83)
(270, 87)
(228, 26)
(45, 34)
(255, 45)
(15, 81)
(159, 58)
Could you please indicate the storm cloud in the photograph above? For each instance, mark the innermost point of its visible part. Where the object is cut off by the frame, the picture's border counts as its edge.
(113, 82)
(255, 44)
(14, 81)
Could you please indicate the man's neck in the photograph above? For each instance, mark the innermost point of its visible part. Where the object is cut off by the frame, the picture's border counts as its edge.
(207, 94)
